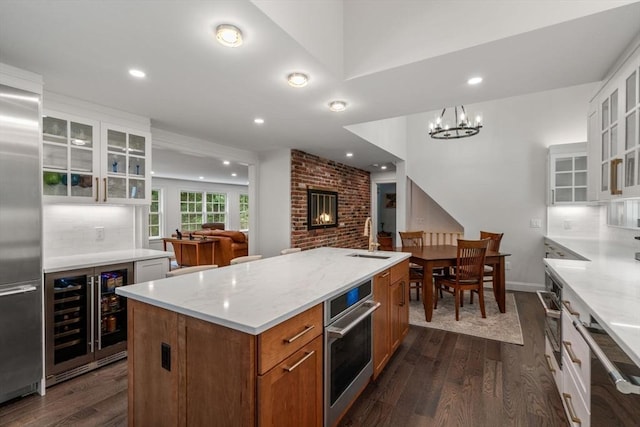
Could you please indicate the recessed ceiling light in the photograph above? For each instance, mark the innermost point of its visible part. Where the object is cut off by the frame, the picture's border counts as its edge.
(337, 106)
(298, 79)
(258, 121)
(78, 142)
(226, 162)
(234, 174)
(383, 167)
(201, 177)
(229, 35)
(152, 173)
(474, 80)
(349, 154)
(137, 73)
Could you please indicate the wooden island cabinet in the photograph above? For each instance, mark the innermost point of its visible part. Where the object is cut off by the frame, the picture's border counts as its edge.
(185, 371)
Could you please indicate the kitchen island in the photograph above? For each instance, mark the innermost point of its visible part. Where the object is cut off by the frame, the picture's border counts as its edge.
(242, 344)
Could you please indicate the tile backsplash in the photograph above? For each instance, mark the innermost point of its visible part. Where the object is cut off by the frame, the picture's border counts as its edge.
(71, 229)
(576, 221)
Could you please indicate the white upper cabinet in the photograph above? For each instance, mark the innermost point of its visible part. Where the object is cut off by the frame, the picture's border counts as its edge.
(89, 161)
(568, 173)
(616, 108)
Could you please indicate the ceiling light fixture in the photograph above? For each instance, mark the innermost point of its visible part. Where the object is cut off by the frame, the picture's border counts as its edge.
(474, 80)
(349, 154)
(462, 126)
(337, 106)
(258, 121)
(137, 73)
(229, 35)
(153, 173)
(383, 167)
(234, 174)
(201, 177)
(226, 162)
(297, 79)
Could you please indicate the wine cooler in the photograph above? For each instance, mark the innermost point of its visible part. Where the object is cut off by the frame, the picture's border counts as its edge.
(86, 322)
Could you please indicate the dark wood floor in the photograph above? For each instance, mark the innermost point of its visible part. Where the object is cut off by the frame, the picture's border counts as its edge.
(435, 379)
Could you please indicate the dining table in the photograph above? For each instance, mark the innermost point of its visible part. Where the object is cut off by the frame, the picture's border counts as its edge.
(438, 256)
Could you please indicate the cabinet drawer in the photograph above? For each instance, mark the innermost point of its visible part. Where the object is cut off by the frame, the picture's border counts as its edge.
(151, 269)
(552, 364)
(576, 356)
(399, 270)
(284, 339)
(575, 407)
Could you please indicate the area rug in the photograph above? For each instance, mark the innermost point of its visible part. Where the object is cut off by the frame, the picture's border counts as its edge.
(497, 326)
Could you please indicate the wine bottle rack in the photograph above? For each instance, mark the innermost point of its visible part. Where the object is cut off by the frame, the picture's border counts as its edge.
(69, 318)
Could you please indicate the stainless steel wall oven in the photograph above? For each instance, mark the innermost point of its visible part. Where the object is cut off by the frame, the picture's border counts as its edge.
(348, 348)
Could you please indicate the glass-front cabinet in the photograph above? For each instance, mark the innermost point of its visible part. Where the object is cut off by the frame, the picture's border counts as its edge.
(568, 173)
(618, 105)
(89, 161)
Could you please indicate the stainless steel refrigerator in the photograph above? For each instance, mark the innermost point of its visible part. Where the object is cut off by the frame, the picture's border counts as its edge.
(20, 243)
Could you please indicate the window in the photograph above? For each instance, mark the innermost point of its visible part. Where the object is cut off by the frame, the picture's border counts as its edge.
(154, 214)
(244, 212)
(197, 208)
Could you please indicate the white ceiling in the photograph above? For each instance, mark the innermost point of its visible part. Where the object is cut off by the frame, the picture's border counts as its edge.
(385, 58)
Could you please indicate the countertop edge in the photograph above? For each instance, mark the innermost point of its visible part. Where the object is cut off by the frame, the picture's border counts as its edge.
(102, 259)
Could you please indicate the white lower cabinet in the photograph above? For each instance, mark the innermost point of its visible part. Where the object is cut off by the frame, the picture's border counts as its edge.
(552, 364)
(576, 372)
(575, 407)
(150, 269)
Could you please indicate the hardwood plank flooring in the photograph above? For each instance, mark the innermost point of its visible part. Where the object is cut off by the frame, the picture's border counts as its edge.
(436, 378)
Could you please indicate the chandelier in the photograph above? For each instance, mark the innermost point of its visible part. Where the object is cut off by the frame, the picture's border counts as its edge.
(462, 128)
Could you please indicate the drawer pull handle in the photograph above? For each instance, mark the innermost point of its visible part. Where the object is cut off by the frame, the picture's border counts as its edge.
(295, 337)
(385, 274)
(572, 355)
(105, 189)
(572, 412)
(571, 310)
(300, 362)
(97, 189)
(553, 371)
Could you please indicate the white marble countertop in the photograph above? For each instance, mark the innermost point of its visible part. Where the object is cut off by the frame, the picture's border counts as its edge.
(608, 284)
(255, 296)
(73, 262)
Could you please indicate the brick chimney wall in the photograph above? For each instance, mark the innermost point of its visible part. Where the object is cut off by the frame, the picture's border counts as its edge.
(354, 201)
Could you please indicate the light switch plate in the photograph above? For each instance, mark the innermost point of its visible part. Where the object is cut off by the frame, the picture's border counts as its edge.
(99, 233)
(535, 223)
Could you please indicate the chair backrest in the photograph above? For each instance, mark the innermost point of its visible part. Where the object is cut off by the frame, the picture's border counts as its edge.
(289, 251)
(247, 258)
(412, 238)
(494, 242)
(187, 270)
(470, 261)
(434, 238)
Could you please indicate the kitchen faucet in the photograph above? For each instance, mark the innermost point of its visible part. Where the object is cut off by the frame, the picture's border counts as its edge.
(369, 233)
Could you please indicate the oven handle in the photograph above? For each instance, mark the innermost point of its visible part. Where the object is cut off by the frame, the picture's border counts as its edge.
(334, 332)
(556, 314)
(623, 385)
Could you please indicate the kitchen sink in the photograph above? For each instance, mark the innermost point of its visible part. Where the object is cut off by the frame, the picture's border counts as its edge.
(369, 256)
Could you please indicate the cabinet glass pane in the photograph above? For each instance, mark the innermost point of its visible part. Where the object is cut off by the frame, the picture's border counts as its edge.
(81, 160)
(605, 145)
(605, 114)
(136, 166)
(564, 164)
(631, 92)
(630, 131)
(116, 141)
(54, 156)
(54, 184)
(81, 135)
(564, 179)
(580, 163)
(604, 177)
(564, 195)
(581, 178)
(614, 106)
(136, 145)
(117, 187)
(136, 188)
(638, 177)
(81, 185)
(116, 164)
(614, 141)
(629, 169)
(54, 130)
(580, 195)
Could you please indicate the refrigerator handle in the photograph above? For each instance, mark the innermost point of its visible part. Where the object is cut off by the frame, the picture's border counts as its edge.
(99, 317)
(93, 314)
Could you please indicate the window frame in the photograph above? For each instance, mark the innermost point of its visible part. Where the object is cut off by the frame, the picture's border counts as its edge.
(198, 209)
(244, 212)
(159, 214)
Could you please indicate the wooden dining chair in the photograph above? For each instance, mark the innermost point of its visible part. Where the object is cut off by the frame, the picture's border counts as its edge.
(469, 274)
(413, 239)
(494, 245)
(246, 258)
(187, 270)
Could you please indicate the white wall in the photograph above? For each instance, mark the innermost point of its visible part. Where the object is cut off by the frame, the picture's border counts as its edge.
(273, 215)
(70, 229)
(496, 180)
(426, 214)
(170, 205)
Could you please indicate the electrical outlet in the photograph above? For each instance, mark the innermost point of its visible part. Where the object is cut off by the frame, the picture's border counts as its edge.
(99, 233)
(507, 265)
(567, 224)
(535, 223)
